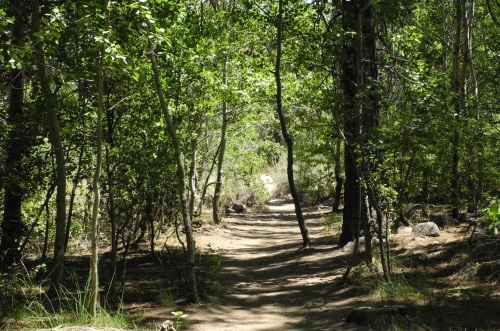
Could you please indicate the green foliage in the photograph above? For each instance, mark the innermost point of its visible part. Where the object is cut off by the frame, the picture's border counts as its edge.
(492, 220)
(210, 264)
(166, 298)
(23, 299)
(179, 319)
(195, 43)
(70, 308)
(16, 286)
(331, 221)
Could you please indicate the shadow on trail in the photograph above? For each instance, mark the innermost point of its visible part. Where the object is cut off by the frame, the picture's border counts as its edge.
(271, 277)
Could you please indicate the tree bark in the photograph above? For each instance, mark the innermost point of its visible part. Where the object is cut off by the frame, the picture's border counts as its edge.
(306, 241)
(352, 118)
(339, 181)
(456, 88)
(220, 158)
(192, 176)
(190, 243)
(56, 141)
(12, 226)
(94, 225)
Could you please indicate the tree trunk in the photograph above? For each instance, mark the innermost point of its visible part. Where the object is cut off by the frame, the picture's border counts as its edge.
(94, 225)
(456, 88)
(56, 141)
(192, 177)
(13, 228)
(338, 179)
(306, 241)
(352, 187)
(220, 160)
(190, 270)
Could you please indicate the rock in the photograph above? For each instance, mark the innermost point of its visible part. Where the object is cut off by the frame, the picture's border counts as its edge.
(429, 229)
(404, 230)
(239, 208)
(443, 220)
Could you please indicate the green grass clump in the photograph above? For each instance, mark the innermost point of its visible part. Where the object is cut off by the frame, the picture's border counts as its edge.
(69, 308)
(166, 298)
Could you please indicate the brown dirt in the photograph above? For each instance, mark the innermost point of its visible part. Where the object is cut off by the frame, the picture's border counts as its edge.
(266, 283)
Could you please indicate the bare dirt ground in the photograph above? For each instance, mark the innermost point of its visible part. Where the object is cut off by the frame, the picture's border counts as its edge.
(266, 284)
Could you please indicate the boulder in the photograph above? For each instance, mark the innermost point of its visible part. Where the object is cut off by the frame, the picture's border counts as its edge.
(443, 220)
(427, 229)
(239, 208)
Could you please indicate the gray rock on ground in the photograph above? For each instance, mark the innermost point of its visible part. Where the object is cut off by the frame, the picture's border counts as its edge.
(427, 229)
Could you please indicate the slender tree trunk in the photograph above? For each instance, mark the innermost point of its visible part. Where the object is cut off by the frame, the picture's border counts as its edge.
(46, 235)
(56, 141)
(12, 226)
(456, 87)
(207, 178)
(190, 254)
(379, 217)
(111, 207)
(478, 193)
(471, 144)
(73, 193)
(94, 225)
(220, 159)
(306, 241)
(338, 178)
(150, 219)
(192, 168)
(352, 187)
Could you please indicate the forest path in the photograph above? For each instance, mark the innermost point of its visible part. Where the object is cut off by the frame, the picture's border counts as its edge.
(266, 282)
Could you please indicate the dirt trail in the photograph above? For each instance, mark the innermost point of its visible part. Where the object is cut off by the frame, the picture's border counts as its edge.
(267, 283)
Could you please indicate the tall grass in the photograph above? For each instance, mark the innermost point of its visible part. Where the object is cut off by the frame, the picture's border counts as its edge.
(69, 308)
